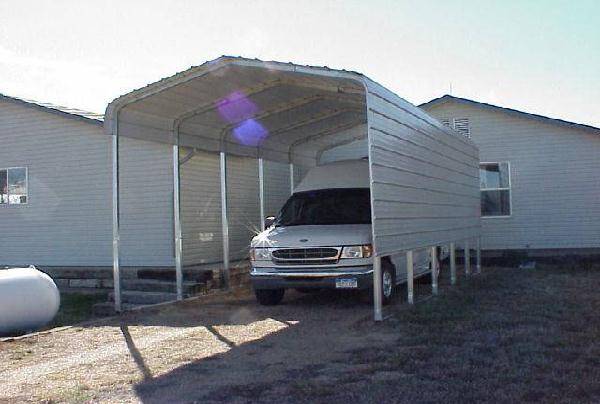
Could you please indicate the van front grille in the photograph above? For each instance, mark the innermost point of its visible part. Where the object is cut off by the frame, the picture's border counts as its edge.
(306, 256)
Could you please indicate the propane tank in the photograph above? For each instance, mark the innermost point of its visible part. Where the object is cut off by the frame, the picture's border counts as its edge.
(29, 299)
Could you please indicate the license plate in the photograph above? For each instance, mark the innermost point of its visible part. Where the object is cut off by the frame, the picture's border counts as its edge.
(346, 283)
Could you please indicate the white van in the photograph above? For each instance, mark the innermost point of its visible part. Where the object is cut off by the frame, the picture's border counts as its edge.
(322, 238)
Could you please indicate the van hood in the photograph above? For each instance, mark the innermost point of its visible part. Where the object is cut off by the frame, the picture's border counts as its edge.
(314, 236)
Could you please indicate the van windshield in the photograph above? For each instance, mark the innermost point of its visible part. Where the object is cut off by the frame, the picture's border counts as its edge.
(327, 206)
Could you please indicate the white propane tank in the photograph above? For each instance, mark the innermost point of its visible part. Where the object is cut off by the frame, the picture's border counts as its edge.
(29, 299)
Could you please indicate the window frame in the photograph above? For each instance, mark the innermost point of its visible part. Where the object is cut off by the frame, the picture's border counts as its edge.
(509, 189)
(8, 204)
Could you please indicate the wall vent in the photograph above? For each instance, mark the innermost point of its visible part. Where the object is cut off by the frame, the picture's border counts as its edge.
(461, 125)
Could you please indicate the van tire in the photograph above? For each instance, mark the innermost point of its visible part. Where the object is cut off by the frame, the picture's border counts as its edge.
(387, 271)
(388, 274)
(269, 297)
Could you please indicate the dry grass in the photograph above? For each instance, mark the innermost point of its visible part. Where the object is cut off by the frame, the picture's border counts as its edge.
(503, 336)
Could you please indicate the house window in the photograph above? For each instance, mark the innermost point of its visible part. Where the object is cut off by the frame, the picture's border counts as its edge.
(13, 186)
(494, 181)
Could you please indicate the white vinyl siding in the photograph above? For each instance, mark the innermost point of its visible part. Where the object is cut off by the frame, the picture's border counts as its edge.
(554, 182)
(146, 203)
(67, 220)
(201, 204)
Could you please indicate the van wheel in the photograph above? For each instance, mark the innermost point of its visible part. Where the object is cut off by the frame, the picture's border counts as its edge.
(388, 281)
(269, 297)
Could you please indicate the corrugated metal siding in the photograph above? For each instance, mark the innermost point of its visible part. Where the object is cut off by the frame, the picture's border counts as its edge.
(425, 180)
(68, 218)
(554, 174)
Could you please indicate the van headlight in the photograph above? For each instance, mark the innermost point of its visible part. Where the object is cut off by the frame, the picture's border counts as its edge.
(357, 251)
(260, 254)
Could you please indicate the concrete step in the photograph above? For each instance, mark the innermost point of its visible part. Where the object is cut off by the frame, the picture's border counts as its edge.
(153, 285)
(189, 275)
(140, 297)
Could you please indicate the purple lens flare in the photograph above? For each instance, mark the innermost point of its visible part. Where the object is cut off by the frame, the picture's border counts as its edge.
(238, 110)
(236, 107)
(250, 133)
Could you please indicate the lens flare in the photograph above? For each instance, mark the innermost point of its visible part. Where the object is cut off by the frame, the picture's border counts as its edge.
(236, 107)
(250, 133)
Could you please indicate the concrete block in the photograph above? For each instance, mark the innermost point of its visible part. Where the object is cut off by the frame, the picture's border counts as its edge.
(85, 283)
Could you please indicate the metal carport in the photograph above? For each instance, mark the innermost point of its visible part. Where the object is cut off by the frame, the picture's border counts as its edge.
(424, 177)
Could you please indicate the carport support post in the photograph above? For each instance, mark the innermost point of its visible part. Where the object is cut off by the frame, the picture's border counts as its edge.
(434, 271)
(467, 258)
(291, 179)
(224, 220)
(115, 214)
(410, 277)
(453, 263)
(177, 220)
(261, 192)
(377, 298)
(478, 255)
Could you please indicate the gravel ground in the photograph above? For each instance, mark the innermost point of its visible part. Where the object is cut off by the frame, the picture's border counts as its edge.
(488, 339)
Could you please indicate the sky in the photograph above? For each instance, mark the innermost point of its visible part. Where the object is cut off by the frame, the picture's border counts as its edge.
(536, 56)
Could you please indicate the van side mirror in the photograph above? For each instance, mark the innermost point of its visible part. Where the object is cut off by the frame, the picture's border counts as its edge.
(269, 220)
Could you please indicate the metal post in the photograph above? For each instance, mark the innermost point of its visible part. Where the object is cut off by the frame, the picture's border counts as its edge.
(478, 252)
(291, 178)
(177, 220)
(261, 192)
(410, 276)
(377, 297)
(467, 258)
(434, 270)
(115, 223)
(453, 263)
(224, 221)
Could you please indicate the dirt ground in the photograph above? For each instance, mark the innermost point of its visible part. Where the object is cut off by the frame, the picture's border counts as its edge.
(504, 336)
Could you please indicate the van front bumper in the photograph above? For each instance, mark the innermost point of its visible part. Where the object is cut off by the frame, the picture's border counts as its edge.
(319, 278)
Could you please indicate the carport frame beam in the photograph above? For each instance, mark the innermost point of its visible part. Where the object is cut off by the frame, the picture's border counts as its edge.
(452, 263)
(435, 267)
(261, 191)
(291, 178)
(115, 217)
(467, 258)
(410, 277)
(224, 219)
(478, 255)
(177, 219)
(377, 289)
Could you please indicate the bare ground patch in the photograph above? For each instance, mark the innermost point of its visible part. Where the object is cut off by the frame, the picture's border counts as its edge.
(507, 335)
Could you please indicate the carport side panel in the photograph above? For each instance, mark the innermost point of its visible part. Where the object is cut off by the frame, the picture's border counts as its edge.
(406, 214)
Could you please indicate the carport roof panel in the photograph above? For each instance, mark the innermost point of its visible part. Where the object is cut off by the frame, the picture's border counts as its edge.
(210, 105)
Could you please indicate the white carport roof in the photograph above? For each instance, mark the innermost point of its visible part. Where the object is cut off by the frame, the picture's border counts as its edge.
(247, 107)
(423, 177)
